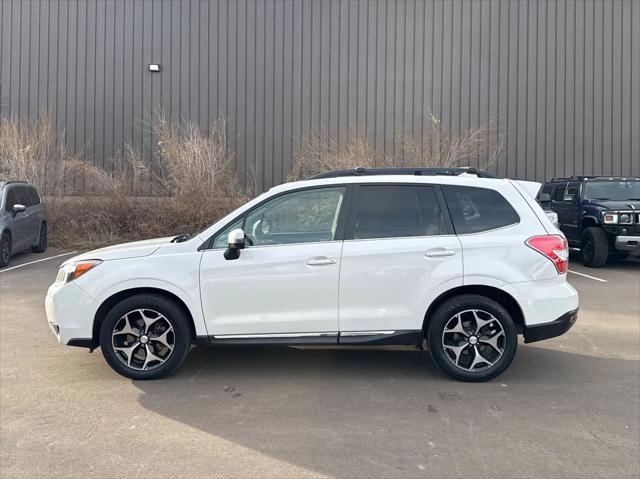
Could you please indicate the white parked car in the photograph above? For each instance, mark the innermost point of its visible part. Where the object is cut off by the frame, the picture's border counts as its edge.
(458, 264)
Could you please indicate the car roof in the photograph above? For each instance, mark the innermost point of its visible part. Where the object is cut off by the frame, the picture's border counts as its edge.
(341, 180)
(594, 178)
(4, 183)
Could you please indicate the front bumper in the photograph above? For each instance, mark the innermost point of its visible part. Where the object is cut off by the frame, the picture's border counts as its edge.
(70, 312)
(627, 243)
(539, 332)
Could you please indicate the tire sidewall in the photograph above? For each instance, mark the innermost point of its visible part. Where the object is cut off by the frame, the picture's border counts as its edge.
(455, 305)
(5, 238)
(174, 315)
(600, 246)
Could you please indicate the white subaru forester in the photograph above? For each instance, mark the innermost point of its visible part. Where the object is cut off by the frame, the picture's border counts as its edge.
(459, 265)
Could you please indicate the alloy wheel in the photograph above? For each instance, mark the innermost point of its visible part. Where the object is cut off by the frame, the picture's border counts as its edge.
(143, 339)
(473, 340)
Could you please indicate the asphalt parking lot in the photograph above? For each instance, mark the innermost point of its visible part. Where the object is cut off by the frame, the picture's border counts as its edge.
(567, 407)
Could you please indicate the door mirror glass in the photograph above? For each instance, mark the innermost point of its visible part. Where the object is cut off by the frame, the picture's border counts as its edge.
(17, 208)
(236, 243)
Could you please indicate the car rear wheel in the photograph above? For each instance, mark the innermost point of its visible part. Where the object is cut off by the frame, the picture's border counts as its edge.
(41, 245)
(5, 249)
(145, 337)
(594, 247)
(472, 338)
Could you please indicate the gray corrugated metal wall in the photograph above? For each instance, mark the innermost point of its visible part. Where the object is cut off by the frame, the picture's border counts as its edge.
(561, 79)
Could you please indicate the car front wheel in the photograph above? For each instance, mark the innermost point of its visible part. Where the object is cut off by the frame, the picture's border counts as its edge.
(5, 249)
(472, 338)
(145, 337)
(594, 247)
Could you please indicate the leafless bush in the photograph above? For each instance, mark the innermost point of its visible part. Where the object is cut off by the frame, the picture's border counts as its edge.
(318, 151)
(437, 146)
(30, 151)
(193, 182)
(196, 172)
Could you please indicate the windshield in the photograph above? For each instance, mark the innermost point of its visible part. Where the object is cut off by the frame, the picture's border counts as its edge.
(612, 190)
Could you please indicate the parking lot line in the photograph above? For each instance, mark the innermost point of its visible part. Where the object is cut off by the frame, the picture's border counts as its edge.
(590, 277)
(37, 261)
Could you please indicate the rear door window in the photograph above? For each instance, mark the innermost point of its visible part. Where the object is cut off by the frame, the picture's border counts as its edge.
(558, 194)
(393, 211)
(478, 209)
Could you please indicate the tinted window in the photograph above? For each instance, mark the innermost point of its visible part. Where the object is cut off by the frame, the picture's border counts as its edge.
(298, 217)
(478, 209)
(558, 194)
(573, 189)
(547, 188)
(12, 199)
(34, 196)
(23, 195)
(391, 211)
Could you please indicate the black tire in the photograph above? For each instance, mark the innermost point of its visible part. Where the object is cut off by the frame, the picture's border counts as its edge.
(173, 314)
(594, 247)
(486, 307)
(5, 249)
(43, 240)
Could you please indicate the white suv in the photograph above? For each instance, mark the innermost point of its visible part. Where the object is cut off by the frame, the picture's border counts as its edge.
(459, 265)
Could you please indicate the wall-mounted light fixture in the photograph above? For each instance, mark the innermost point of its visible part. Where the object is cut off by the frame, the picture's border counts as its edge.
(154, 67)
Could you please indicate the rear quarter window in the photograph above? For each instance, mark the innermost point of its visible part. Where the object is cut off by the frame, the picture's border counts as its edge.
(474, 210)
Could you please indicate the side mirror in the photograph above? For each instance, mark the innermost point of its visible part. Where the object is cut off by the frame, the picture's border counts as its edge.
(17, 208)
(569, 198)
(236, 243)
(544, 198)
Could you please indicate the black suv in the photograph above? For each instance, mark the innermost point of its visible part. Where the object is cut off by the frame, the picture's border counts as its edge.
(599, 215)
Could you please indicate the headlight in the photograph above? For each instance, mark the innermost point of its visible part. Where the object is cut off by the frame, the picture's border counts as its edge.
(610, 218)
(71, 271)
(625, 218)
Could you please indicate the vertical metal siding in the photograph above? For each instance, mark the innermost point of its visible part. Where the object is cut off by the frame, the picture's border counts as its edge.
(561, 79)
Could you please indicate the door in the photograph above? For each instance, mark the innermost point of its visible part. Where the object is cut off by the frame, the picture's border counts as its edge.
(32, 217)
(399, 254)
(566, 204)
(19, 223)
(286, 279)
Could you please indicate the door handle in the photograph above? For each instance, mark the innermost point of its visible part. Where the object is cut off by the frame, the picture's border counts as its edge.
(320, 261)
(439, 252)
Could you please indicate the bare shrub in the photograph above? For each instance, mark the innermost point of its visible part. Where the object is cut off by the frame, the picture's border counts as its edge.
(29, 151)
(318, 151)
(437, 146)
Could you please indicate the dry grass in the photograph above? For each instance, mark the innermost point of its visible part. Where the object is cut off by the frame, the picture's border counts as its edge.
(29, 151)
(318, 151)
(193, 183)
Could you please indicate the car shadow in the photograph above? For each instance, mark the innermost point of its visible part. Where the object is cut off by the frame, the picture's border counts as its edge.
(389, 412)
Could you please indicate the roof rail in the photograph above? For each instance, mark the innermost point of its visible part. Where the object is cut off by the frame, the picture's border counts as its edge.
(8, 182)
(361, 171)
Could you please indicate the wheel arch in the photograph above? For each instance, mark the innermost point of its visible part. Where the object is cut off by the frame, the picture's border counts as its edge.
(589, 221)
(115, 298)
(498, 295)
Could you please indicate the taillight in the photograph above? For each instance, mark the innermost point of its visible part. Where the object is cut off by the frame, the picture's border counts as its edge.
(554, 247)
